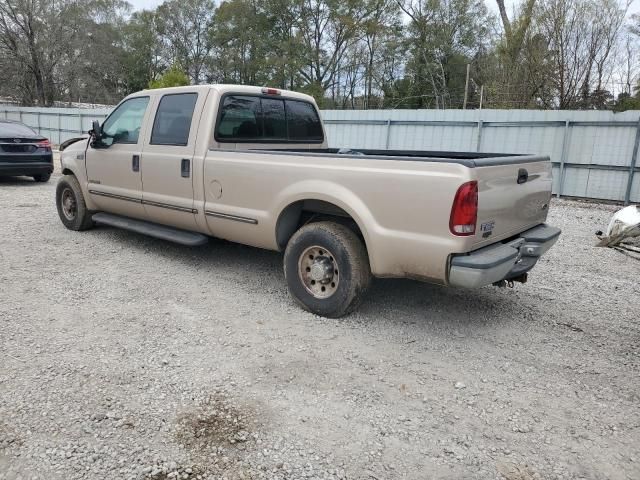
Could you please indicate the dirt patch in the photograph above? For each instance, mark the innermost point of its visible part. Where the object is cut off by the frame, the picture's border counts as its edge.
(512, 471)
(216, 422)
(218, 434)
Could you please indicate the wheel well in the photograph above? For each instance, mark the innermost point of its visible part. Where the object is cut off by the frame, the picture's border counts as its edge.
(302, 212)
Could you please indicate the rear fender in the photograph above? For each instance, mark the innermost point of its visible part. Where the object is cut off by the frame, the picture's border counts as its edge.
(340, 197)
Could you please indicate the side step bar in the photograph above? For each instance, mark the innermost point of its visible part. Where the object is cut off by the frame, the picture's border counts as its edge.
(190, 239)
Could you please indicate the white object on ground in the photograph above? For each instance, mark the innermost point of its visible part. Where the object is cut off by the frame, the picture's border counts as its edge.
(624, 224)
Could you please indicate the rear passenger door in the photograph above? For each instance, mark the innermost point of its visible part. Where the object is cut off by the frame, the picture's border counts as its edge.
(167, 160)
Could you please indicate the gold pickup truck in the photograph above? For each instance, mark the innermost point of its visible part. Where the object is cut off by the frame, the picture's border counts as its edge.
(251, 165)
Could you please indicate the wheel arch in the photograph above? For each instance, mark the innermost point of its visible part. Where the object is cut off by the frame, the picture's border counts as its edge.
(313, 208)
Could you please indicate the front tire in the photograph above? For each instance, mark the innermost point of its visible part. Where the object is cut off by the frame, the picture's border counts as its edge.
(72, 208)
(42, 177)
(327, 269)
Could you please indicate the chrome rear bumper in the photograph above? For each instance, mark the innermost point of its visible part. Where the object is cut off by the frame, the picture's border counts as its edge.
(502, 261)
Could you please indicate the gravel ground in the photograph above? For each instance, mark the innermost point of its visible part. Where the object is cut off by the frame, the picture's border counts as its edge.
(132, 358)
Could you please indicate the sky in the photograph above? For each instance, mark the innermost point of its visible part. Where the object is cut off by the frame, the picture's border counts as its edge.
(149, 4)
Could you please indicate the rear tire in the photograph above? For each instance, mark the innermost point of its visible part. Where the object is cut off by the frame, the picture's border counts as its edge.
(42, 177)
(72, 208)
(327, 269)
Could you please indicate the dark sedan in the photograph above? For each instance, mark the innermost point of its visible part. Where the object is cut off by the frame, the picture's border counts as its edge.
(24, 152)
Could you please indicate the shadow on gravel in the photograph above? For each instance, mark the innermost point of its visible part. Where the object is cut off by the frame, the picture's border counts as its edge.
(395, 299)
(403, 301)
(19, 182)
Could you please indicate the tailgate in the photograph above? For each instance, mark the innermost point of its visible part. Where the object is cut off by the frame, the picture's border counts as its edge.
(513, 196)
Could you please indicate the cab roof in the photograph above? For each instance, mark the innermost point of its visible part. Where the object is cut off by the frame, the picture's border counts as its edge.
(229, 88)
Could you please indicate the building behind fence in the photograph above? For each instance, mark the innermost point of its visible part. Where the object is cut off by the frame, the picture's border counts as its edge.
(594, 153)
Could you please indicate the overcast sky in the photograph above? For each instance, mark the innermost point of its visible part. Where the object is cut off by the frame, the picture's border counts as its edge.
(149, 4)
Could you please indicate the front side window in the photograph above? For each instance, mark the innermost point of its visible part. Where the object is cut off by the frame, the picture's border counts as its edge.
(173, 119)
(256, 119)
(124, 124)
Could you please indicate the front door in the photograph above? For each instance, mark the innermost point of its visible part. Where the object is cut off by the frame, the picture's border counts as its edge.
(167, 160)
(113, 164)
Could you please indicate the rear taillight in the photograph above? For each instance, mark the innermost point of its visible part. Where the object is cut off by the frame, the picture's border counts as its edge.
(44, 144)
(464, 212)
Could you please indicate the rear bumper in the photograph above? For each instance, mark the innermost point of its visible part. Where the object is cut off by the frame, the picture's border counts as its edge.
(25, 168)
(502, 261)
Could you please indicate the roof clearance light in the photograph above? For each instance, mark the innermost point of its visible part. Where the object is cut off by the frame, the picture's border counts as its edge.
(270, 91)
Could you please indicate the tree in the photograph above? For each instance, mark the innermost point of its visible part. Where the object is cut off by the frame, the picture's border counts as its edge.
(443, 37)
(327, 28)
(34, 37)
(185, 27)
(381, 34)
(142, 51)
(581, 34)
(241, 38)
(173, 77)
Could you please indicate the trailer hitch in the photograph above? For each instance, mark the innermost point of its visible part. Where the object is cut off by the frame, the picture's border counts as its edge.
(511, 282)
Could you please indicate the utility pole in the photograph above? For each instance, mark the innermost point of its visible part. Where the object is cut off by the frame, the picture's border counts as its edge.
(481, 95)
(466, 88)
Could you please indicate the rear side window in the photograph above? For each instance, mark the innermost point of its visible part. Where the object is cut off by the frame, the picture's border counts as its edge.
(240, 118)
(248, 118)
(17, 130)
(303, 122)
(173, 119)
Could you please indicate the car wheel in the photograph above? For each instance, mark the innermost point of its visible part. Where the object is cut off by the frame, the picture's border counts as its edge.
(327, 269)
(42, 177)
(72, 208)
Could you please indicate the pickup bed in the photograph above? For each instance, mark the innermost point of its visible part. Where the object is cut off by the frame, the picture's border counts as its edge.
(251, 165)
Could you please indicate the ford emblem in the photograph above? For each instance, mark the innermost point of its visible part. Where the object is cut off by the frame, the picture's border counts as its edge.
(16, 140)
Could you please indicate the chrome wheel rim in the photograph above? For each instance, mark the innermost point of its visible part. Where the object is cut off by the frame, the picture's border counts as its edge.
(68, 202)
(318, 272)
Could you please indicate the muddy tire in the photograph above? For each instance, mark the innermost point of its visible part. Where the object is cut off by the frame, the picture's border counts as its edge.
(42, 177)
(72, 208)
(327, 269)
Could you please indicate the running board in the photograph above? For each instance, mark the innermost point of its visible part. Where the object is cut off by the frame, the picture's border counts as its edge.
(190, 239)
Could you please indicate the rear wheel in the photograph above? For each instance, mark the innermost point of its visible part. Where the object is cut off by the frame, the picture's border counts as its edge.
(327, 269)
(42, 177)
(72, 208)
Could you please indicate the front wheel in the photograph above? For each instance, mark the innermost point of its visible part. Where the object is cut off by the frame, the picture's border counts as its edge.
(327, 269)
(72, 209)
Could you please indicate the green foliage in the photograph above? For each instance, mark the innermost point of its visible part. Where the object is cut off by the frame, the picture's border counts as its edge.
(627, 102)
(174, 77)
(346, 53)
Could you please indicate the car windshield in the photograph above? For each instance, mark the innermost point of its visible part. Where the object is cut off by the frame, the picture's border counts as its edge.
(10, 129)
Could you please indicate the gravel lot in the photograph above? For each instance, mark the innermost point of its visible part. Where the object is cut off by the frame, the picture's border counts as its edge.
(128, 357)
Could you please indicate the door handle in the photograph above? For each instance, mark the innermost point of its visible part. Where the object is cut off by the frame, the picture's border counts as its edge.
(185, 168)
(523, 176)
(135, 163)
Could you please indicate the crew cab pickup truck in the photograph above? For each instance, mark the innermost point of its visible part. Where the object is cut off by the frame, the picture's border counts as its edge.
(251, 165)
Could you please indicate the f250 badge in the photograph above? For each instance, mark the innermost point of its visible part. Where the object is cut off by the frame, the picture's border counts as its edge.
(487, 228)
